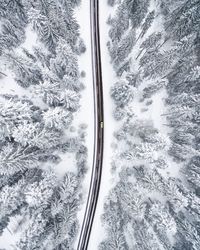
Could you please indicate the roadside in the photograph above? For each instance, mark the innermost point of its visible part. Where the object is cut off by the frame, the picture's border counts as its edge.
(108, 76)
(86, 114)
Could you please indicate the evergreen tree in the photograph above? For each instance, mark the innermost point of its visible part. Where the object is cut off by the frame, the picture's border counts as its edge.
(122, 93)
(147, 24)
(26, 73)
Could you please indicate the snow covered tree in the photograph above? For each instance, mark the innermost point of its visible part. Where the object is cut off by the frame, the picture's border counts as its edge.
(13, 23)
(119, 113)
(192, 173)
(147, 24)
(183, 19)
(57, 118)
(11, 35)
(70, 3)
(177, 198)
(150, 179)
(42, 55)
(122, 93)
(156, 64)
(81, 47)
(63, 207)
(33, 126)
(114, 223)
(116, 240)
(39, 194)
(13, 112)
(150, 42)
(26, 72)
(145, 240)
(132, 202)
(122, 49)
(168, 60)
(160, 217)
(120, 24)
(137, 10)
(46, 26)
(187, 232)
(36, 135)
(153, 88)
(11, 199)
(15, 158)
(33, 235)
(65, 63)
(70, 100)
(72, 84)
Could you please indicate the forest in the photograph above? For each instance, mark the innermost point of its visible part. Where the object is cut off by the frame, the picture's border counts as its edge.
(36, 123)
(154, 48)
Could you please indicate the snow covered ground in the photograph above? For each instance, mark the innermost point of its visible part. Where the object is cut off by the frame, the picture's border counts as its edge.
(86, 114)
(110, 126)
(9, 238)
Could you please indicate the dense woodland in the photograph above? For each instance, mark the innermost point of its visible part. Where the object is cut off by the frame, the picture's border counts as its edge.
(154, 47)
(36, 128)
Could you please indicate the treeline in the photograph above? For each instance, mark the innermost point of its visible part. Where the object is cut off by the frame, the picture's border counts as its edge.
(34, 134)
(155, 46)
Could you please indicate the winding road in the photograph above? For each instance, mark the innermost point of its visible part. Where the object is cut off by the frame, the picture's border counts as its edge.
(98, 128)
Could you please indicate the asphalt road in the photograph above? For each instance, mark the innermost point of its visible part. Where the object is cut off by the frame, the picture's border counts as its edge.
(98, 128)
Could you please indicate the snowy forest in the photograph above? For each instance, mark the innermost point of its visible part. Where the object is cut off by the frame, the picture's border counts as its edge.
(154, 48)
(40, 91)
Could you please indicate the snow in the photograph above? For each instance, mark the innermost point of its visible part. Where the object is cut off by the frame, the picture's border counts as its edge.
(8, 85)
(153, 112)
(97, 233)
(86, 114)
(9, 238)
(67, 164)
(31, 39)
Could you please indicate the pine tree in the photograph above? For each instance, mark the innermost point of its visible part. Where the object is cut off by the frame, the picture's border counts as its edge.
(150, 42)
(145, 240)
(15, 158)
(132, 202)
(26, 72)
(147, 24)
(123, 48)
(70, 100)
(57, 118)
(137, 10)
(122, 93)
(36, 135)
(13, 112)
(65, 63)
(39, 193)
(11, 199)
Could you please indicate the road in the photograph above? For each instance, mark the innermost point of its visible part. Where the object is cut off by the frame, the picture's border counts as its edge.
(98, 128)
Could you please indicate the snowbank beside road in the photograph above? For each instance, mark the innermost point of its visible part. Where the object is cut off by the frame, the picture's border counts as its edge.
(86, 114)
(108, 76)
